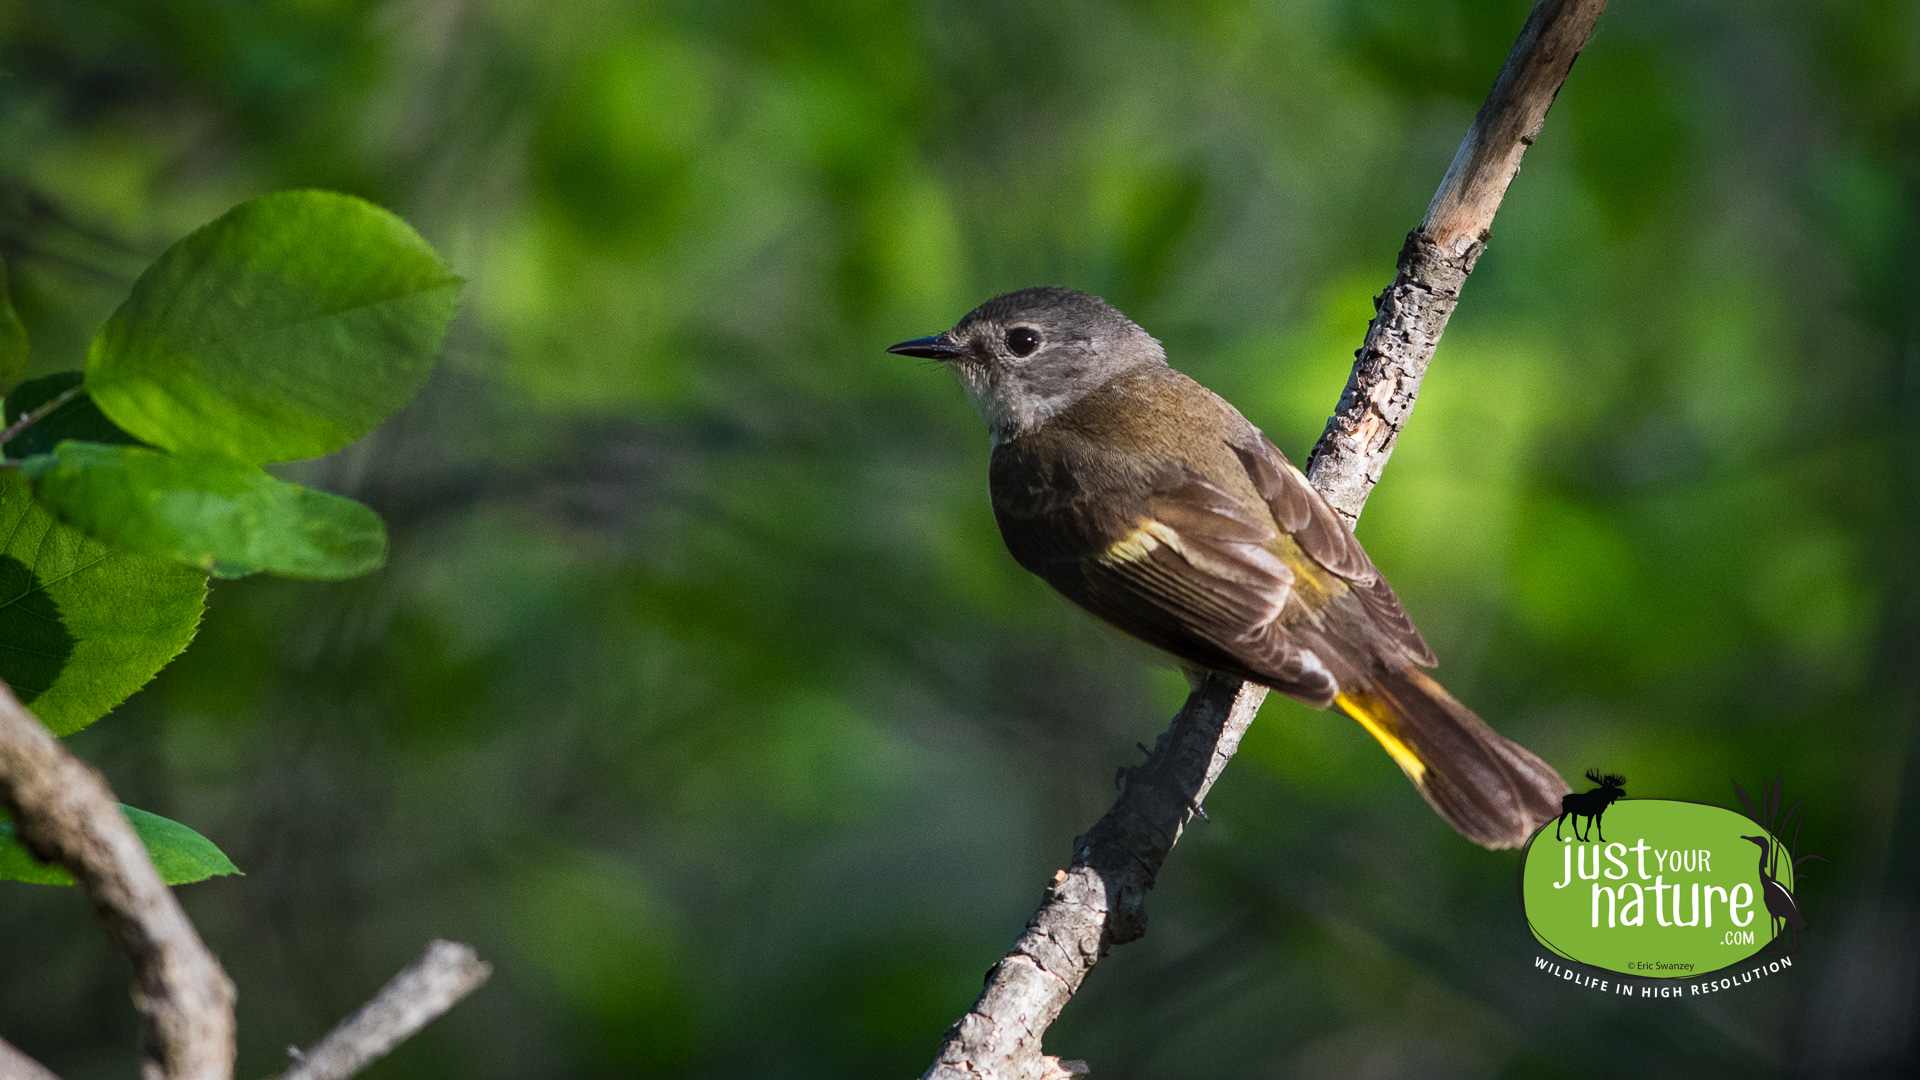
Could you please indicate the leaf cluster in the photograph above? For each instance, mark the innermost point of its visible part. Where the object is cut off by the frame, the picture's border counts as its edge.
(284, 329)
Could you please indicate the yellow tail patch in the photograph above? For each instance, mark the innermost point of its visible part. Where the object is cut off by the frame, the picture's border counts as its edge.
(1374, 718)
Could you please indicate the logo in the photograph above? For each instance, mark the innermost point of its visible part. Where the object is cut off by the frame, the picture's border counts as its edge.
(1681, 890)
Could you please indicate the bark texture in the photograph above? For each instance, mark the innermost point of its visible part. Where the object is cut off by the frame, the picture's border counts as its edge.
(1411, 315)
(1100, 900)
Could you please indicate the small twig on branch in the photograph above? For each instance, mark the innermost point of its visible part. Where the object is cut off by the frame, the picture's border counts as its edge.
(64, 813)
(7, 434)
(445, 974)
(1100, 901)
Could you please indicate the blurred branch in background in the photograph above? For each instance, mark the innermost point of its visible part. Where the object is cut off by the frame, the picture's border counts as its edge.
(447, 972)
(65, 814)
(15, 1065)
(1100, 901)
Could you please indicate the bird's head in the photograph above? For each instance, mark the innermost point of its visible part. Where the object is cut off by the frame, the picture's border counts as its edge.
(1026, 356)
(1761, 840)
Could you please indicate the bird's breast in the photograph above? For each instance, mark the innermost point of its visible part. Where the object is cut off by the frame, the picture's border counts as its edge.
(1055, 498)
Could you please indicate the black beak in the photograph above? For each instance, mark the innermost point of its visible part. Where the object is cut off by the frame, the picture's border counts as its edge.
(937, 347)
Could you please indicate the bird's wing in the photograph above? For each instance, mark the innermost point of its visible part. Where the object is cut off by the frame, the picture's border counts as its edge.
(1195, 572)
(1301, 511)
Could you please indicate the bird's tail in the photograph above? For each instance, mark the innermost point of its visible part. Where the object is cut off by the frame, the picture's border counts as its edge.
(1493, 790)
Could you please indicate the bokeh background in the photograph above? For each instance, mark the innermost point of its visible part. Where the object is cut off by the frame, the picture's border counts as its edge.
(699, 693)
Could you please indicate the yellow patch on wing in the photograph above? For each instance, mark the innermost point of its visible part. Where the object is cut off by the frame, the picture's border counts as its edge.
(1314, 584)
(1141, 542)
(1373, 717)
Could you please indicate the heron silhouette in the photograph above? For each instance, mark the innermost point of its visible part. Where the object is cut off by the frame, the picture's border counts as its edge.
(1779, 900)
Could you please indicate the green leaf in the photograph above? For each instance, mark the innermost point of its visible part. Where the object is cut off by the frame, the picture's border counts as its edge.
(13, 334)
(211, 512)
(77, 419)
(286, 328)
(181, 855)
(83, 625)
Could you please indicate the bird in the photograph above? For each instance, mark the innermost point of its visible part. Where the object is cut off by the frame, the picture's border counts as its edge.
(1781, 905)
(1153, 504)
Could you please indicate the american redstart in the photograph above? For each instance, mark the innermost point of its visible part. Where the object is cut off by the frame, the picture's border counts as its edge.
(1149, 501)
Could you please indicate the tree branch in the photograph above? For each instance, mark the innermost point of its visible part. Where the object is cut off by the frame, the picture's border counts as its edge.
(444, 974)
(1438, 256)
(64, 813)
(1100, 900)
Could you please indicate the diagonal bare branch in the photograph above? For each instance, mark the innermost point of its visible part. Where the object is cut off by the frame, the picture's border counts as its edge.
(1439, 255)
(1100, 900)
(446, 973)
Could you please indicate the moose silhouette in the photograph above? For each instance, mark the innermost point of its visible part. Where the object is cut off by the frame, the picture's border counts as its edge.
(1590, 804)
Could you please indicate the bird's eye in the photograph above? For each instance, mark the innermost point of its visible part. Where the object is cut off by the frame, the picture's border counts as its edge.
(1022, 340)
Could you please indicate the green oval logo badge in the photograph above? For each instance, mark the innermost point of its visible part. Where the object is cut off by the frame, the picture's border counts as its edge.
(1675, 889)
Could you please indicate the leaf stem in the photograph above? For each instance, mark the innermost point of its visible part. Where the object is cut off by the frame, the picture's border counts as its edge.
(29, 419)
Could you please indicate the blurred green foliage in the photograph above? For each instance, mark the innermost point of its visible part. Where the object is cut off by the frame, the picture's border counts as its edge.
(698, 692)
